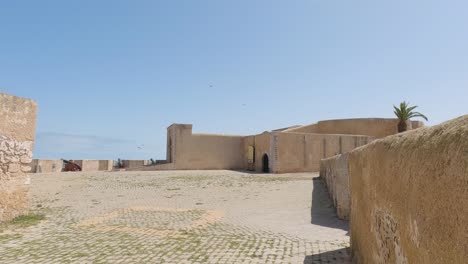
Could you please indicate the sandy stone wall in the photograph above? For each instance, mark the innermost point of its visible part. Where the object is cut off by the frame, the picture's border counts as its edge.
(261, 143)
(334, 171)
(130, 164)
(106, 165)
(17, 133)
(46, 166)
(409, 197)
(299, 152)
(95, 165)
(203, 151)
(375, 127)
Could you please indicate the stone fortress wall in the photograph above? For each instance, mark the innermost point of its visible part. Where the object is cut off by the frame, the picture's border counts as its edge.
(409, 197)
(17, 134)
(52, 166)
(188, 151)
(374, 127)
(408, 192)
(295, 149)
(334, 172)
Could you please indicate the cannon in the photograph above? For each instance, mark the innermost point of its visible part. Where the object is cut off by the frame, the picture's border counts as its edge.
(70, 166)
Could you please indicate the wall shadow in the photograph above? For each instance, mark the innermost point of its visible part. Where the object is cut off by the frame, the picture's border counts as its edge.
(322, 210)
(340, 256)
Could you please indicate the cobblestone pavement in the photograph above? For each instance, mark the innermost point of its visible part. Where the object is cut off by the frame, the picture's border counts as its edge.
(178, 217)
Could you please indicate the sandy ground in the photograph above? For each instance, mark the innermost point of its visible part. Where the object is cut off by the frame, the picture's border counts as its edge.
(178, 217)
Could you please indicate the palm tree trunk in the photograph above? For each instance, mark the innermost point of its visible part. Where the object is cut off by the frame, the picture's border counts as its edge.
(404, 125)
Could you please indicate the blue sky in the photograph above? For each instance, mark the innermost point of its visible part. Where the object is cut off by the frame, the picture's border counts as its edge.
(110, 76)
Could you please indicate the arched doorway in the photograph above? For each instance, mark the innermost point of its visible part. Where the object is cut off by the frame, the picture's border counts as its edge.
(265, 164)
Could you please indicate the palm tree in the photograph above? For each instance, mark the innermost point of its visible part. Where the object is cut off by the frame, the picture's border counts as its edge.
(405, 113)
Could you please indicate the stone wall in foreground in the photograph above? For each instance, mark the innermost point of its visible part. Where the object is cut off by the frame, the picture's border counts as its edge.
(17, 133)
(409, 197)
(334, 171)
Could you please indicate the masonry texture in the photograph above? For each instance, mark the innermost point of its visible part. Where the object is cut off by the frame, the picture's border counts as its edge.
(17, 132)
(334, 171)
(286, 150)
(409, 197)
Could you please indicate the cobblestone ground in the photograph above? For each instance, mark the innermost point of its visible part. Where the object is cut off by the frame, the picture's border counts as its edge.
(178, 217)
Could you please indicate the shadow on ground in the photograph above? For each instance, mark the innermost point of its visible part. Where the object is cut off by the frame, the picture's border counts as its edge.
(340, 256)
(322, 209)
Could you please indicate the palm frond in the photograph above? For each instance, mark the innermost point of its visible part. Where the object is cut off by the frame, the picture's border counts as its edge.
(417, 114)
(405, 111)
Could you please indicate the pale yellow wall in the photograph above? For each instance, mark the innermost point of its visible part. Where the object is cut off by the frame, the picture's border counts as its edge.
(409, 198)
(286, 150)
(200, 151)
(334, 172)
(90, 165)
(106, 165)
(375, 127)
(17, 134)
(95, 165)
(262, 145)
(46, 166)
(299, 152)
(130, 164)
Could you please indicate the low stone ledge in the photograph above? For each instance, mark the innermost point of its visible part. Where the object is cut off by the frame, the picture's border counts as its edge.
(334, 171)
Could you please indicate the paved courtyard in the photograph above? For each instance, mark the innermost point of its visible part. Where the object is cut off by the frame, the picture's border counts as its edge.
(178, 217)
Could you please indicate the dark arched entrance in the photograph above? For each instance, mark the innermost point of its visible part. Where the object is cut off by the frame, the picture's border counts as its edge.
(265, 164)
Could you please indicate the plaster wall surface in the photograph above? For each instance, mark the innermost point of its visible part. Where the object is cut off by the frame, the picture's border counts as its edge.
(17, 134)
(409, 196)
(95, 165)
(204, 151)
(261, 143)
(46, 166)
(375, 127)
(90, 165)
(106, 165)
(134, 163)
(334, 171)
(300, 152)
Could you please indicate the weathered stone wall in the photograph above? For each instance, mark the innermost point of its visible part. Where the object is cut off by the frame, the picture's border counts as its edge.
(375, 127)
(106, 165)
(203, 151)
(130, 164)
(409, 197)
(17, 133)
(261, 144)
(95, 165)
(46, 166)
(299, 152)
(334, 171)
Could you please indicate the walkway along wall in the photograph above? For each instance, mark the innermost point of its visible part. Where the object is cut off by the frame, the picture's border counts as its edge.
(409, 197)
(17, 133)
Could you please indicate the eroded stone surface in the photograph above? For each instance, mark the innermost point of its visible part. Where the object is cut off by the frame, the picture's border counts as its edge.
(17, 128)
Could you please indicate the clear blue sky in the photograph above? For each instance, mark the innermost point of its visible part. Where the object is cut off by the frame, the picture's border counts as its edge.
(110, 76)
